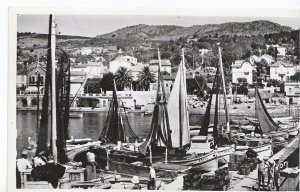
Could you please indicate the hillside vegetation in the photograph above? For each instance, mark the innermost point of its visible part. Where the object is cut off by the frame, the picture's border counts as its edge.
(168, 32)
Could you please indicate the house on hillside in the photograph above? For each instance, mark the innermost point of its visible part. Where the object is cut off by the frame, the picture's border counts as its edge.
(292, 91)
(165, 66)
(254, 59)
(210, 71)
(96, 69)
(242, 70)
(281, 50)
(268, 58)
(281, 71)
(122, 61)
(204, 51)
(35, 70)
(136, 70)
(21, 79)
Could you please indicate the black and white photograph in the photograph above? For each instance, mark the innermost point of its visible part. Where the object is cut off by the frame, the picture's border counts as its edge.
(172, 102)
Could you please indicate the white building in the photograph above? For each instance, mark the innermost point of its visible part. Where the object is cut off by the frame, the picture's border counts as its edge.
(281, 71)
(21, 80)
(136, 70)
(130, 59)
(281, 50)
(165, 66)
(242, 69)
(204, 51)
(292, 91)
(268, 58)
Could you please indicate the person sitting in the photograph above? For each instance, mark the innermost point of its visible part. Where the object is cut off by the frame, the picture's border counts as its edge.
(22, 165)
(135, 180)
(40, 159)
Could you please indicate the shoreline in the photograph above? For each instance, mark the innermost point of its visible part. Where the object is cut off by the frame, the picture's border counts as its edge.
(194, 111)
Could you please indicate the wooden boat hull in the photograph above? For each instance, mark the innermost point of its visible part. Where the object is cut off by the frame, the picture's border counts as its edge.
(224, 154)
(264, 150)
(207, 162)
(76, 114)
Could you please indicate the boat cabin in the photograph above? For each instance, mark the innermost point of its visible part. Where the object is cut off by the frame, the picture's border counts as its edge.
(202, 142)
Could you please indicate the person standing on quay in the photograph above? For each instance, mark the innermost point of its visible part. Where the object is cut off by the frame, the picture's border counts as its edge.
(90, 166)
(261, 177)
(276, 173)
(152, 178)
(271, 174)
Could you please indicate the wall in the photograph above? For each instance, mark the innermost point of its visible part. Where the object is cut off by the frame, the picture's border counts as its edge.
(244, 71)
(281, 73)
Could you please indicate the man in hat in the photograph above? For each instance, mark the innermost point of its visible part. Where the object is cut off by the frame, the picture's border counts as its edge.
(276, 173)
(261, 177)
(22, 165)
(135, 180)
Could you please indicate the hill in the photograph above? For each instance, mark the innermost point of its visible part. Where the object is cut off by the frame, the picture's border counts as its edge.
(168, 32)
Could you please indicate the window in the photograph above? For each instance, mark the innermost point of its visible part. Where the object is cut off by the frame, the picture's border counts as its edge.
(41, 80)
(32, 79)
(290, 90)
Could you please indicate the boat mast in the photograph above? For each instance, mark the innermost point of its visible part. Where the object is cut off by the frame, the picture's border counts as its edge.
(224, 89)
(53, 90)
(164, 99)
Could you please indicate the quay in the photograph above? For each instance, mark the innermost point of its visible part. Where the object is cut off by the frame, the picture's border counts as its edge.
(289, 179)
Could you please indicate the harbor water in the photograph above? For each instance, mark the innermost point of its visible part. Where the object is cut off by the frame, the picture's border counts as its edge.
(89, 126)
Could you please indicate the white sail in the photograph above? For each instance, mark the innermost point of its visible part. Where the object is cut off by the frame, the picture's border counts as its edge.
(177, 110)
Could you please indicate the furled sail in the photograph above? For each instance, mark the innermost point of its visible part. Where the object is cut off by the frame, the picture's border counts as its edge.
(160, 133)
(116, 127)
(44, 129)
(265, 120)
(206, 121)
(177, 106)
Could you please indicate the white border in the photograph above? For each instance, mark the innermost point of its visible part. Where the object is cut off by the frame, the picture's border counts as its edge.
(187, 8)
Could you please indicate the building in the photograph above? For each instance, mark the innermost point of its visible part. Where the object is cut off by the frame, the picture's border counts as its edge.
(204, 51)
(136, 70)
(254, 59)
(32, 78)
(281, 50)
(281, 71)
(130, 59)
(292, 91)
(21, 79)
(210, 71)
(165, 66)
(267, 58)
(242, 70)
(77, 78)
(122, 61)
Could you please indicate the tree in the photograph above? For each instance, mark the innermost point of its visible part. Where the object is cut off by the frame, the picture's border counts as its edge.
(146, 77)
(295, 77)
(107, 82)
(123, 78)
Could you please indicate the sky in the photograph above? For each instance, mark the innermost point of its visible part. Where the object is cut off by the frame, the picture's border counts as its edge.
(92, 25)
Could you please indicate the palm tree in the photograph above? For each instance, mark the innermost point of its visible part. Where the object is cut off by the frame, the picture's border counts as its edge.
(123, 78)
(146, 77)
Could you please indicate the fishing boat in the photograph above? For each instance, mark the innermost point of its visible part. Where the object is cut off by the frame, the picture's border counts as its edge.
(170, 134)
(267, 125)
(76, 114)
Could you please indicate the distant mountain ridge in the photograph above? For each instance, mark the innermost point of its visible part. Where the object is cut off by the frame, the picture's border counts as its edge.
(168, 32)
